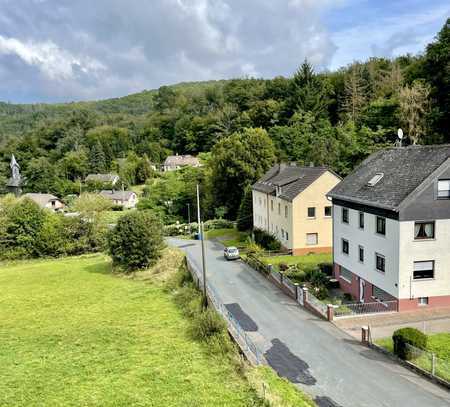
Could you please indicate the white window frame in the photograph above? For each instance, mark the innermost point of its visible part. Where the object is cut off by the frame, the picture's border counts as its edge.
(316, 239)
(445, 183)
(376, 263)
(423, 263)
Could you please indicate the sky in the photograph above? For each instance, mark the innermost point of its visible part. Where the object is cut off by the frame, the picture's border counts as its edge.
(66, 50)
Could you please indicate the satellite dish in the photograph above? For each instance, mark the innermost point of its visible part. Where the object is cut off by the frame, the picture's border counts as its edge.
(400, 134)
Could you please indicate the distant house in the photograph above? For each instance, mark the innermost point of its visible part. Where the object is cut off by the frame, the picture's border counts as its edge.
(392, 228)
(290, 203)
(127, 199)
(48, 201)
(175, 162)
(110, 179)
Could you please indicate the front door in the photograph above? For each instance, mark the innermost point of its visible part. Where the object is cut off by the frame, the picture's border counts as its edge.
(361, 290)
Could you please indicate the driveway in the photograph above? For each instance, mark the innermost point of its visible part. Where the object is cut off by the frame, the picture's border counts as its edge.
(321, 359)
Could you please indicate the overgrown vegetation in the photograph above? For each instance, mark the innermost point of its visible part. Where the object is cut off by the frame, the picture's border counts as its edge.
(408, 336)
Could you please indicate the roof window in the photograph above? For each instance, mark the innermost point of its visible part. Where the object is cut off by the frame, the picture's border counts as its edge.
(375, 179)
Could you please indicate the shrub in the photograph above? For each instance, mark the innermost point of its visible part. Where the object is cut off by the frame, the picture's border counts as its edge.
(218, 224)
(266, 240)
(411, 336)
(326, 268)
(253, 248)
(283, 266)
(136, 241)
(207, 324)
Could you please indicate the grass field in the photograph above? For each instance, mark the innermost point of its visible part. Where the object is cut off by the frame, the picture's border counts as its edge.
(73, 334)
(111, 217)
(307, 259)
(229, 237)
(439, 344)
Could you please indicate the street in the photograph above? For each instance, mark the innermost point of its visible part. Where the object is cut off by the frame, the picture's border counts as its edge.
(321, 359)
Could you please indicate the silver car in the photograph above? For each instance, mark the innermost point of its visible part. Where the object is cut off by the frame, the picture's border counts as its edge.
(231, 253)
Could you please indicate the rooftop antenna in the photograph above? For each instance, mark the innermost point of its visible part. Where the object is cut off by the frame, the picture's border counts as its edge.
(400, 137)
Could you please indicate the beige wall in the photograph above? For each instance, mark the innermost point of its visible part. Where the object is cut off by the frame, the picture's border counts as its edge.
(314, 196)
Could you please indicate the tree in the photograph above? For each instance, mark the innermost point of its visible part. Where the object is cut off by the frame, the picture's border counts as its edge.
(136, 241)
(355, 91)
(238, 161)
(97, 159)
(245, 213)
(89, 205)
(144, 170)
(41, 176)
(414, 105)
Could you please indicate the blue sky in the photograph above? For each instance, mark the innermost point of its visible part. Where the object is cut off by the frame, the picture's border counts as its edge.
(65, 50)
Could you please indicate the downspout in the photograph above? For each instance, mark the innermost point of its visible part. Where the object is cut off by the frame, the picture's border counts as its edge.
(268, 220)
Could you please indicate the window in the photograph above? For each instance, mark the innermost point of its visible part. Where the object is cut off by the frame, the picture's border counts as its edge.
(286, 211)
(423, 269)
(344, 215)
(379, 294)
(444, 189)
(424, 230)
(381, 225)
(327, 211)
(282, 233)
(422, 301)
(287, 236)
(271, 205)
(375, 179)
(260, 202)
(346, 274)
(361, 220)
(279, 209)
(312, 239)
(345, 248)
(380, 262)
(361, 254)
(311, 212)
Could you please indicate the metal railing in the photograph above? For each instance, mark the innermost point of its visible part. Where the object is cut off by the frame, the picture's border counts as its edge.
(429, 362)
(251, 350)
(349, 310)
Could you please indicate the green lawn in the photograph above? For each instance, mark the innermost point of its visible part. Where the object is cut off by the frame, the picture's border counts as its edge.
(112, 217)
(73, 334)
(439, 344)
(307, 259)
(229, 237)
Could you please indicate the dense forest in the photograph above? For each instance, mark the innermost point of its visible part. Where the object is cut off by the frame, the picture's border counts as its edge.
(243, 126)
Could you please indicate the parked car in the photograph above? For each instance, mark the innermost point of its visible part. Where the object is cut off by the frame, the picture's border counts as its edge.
(231, 253)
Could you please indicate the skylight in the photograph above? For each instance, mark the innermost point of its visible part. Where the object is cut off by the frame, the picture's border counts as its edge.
(375, 179)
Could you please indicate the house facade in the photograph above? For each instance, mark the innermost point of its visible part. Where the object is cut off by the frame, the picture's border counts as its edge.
(290, 203)
(127, 199)
(175, 162)
(109, 179)
(391, 228)
(47, 201)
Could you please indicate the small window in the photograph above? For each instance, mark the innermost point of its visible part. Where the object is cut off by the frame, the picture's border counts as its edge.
(375, 179)
(327, 211)
(444, 189)
(271, 205)
(311, 212)
(361, 254)
(344, 215)
(282, 233)
(424, 230)
(361, 220)
(260, 202)
(287, 236)
(345, 274)
(423, 269)
(422, 301)
(311, 239)
(380, 262)
(279, 209)
(345, 247)
(381, 225)
(286, 211)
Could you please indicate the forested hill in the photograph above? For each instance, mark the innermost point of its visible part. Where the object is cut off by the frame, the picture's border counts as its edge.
(331, 118)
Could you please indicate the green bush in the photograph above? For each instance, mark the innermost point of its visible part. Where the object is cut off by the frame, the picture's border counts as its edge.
(136, 241)
(266, 240)
(218, 224)
(411, 336)
(326, 268)
(207, 324)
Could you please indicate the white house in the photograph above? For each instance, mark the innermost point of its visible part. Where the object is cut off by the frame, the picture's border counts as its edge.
(47, 201)
(110, 179)
(391, 228)
(127, 199)
(175, 162)
(290, 203)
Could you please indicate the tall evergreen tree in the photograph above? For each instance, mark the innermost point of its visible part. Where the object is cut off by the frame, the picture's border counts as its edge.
(97, 159)
(245, 213)
(354, 98)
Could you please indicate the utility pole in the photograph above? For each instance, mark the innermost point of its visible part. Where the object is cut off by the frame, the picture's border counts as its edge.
(201, 231)
(189, 216)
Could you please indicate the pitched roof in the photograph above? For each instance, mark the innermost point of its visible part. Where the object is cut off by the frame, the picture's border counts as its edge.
(117, 195)
(41, 199)
(402, 169)
(102, 177)
(178, 160)
(291, 179)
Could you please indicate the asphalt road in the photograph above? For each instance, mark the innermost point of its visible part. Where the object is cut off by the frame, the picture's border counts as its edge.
(321, 359)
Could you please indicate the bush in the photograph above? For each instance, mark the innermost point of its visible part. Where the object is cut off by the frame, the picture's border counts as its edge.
(283, 266)
(266, 240)
(136, 241)
(411, 336)
(326, 268)
(208, 324)
(218, 224)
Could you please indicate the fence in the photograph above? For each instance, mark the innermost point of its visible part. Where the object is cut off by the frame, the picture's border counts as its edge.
(429, 362)
(317, 305)
(250, 349)
(351, 310)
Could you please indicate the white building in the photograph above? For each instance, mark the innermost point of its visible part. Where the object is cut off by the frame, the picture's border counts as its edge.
(47, 201)
(175, 162)
(391, 228)
(127, 199)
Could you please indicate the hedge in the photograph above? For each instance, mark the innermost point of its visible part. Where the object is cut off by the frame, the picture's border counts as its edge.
(411, 336)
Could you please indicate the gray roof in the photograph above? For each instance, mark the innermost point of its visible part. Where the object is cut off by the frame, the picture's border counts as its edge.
(403, 169)
(291, 179)
(117, 195)
(102, 177)
(41, 199)
(179, 160)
